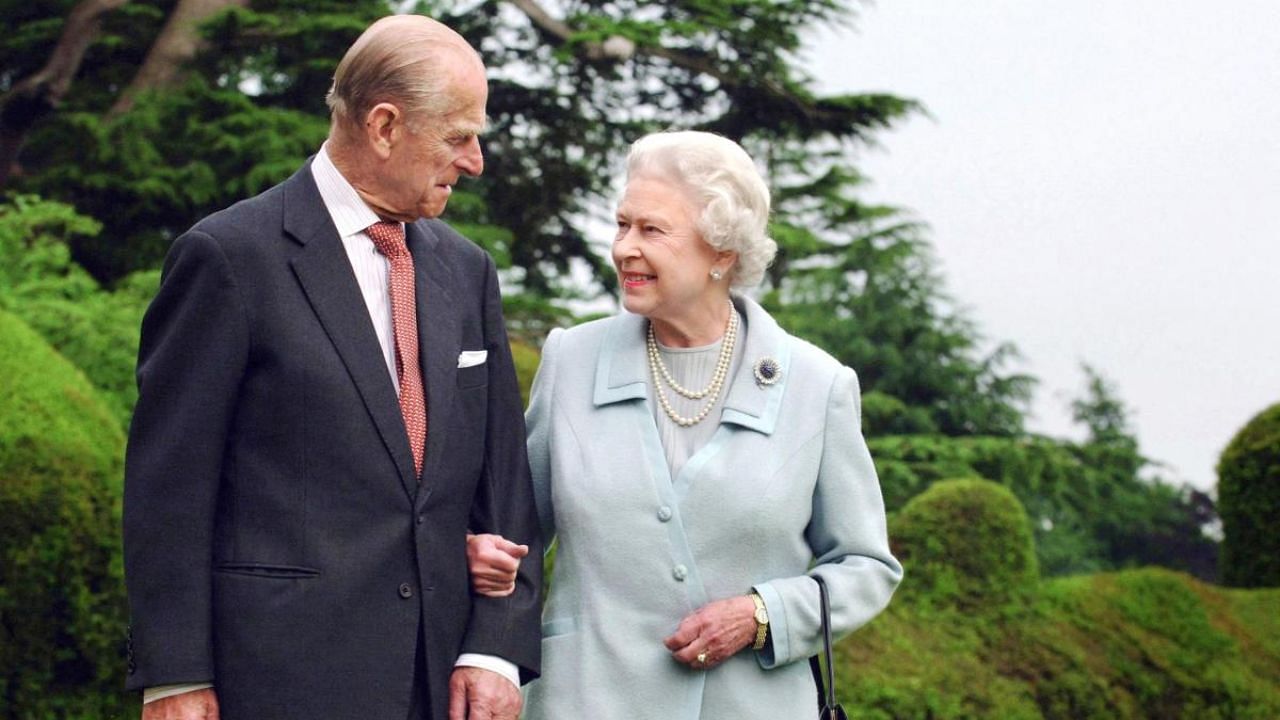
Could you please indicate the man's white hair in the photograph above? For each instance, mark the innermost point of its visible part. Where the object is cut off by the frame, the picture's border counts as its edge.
(402, 59)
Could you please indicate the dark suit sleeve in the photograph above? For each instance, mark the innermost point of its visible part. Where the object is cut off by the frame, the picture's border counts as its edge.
(193, 353)
(506, 627)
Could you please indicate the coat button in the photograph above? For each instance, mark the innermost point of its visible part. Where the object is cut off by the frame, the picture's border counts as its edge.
(421, 518)
(664, 513)
(405, 590)
(680, 572)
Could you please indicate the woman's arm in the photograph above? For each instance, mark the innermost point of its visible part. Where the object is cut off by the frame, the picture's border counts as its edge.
(847, 534)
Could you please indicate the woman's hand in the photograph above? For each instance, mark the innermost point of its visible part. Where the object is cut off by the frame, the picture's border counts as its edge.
(719, 629)
(493, 561)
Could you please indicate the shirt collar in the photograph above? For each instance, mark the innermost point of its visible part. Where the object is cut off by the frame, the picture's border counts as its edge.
(350, 214)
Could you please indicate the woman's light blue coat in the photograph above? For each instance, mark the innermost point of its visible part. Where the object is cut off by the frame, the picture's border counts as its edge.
(785, 479)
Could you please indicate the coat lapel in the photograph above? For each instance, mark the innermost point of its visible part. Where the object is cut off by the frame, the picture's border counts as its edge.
(323, 270)
(621, 372)
(438, 340)
(750, 404)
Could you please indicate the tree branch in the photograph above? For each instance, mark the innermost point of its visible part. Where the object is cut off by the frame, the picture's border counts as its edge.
(178, 42)
(620, 48)
(39, 94)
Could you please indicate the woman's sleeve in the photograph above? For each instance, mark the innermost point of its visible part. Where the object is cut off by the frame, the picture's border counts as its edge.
(848, 536)
(538, 427)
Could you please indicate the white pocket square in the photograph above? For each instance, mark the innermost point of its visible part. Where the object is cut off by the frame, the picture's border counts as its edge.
(468, 358)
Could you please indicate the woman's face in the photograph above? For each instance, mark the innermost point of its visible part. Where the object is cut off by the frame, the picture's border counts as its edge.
(662, 261)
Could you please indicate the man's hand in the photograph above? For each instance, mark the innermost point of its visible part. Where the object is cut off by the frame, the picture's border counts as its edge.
(195, 705)
(478, 694)
(493, 561)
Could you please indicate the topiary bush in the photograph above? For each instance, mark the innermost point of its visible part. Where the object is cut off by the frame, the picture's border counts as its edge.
(1249, 503)
(96, 329)
(61, 581)
(966, 543)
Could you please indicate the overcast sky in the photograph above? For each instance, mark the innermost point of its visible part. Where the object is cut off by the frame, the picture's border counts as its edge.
(1102, 182)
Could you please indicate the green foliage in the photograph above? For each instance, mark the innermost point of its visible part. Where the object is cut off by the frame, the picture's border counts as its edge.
(563, 111)
(1134, 644)
(1093, 505)
(61, 588)
(884, 414)
(872, 299)
(966, 543)
(96, 330)
(526, 359)
(178, 155)
(1249, 503)
(1050, 481)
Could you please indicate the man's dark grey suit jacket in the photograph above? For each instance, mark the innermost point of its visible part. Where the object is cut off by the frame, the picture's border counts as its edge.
(277, 543)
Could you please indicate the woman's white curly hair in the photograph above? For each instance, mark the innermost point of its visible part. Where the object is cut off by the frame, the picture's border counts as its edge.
(724, 183)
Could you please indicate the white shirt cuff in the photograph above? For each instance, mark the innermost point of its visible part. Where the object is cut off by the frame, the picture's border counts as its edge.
(160, 692)
(505, 668)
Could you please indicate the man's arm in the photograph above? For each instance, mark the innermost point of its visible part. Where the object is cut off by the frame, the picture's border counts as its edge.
(190, 361)
(506, 627)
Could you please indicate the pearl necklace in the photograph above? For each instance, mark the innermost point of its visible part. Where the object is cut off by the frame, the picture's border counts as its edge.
(660, 374)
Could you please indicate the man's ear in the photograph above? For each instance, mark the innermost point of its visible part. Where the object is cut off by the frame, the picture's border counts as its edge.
(383, 126)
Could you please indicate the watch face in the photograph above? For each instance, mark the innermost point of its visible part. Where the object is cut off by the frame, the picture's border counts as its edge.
(762, 617)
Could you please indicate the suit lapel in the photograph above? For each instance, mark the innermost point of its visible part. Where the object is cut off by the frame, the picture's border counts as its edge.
(323, 270)
(438, 340)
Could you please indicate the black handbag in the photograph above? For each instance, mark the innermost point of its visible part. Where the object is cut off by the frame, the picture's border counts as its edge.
(828, 708)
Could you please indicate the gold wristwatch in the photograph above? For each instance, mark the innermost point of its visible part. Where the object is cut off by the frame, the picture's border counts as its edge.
(762, 621)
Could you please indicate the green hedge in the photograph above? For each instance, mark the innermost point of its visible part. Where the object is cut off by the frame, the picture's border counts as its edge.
(1148, 643)
(965, 542)
(61, 590)
(1249, 503)
(95, 329)
(1087, 515)
(1052, 483)
(973, 634)
(526, 358)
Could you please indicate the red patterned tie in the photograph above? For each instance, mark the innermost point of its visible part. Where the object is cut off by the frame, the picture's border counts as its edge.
(388, 237)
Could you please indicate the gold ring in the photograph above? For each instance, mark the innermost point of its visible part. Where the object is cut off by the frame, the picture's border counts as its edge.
(702, 658)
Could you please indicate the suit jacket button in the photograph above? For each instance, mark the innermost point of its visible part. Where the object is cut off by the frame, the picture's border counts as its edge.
(680, 572)
(406, 591)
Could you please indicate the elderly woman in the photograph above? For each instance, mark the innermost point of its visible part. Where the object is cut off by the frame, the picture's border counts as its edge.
(698, 466)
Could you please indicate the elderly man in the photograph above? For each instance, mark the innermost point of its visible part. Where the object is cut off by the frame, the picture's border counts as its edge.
(327, 405)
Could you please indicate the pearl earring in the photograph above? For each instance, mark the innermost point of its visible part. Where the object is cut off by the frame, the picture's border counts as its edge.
(716, 274)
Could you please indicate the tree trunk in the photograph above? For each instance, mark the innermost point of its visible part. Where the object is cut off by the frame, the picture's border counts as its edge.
(176, 45)
(33, 98)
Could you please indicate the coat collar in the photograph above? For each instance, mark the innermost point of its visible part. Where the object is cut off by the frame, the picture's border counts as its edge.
(622, 370)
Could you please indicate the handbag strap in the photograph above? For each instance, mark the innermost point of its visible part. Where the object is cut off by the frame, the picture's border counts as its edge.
(827, 705)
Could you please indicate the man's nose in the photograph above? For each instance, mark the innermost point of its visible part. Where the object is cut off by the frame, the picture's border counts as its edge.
(471, 161)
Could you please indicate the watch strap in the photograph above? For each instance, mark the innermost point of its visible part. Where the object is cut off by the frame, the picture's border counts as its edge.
(762, 628)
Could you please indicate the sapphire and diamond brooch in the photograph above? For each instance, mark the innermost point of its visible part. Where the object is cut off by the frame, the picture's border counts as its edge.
(767, 371)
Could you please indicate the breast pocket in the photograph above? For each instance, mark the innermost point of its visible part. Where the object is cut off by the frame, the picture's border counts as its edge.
(473, 377)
